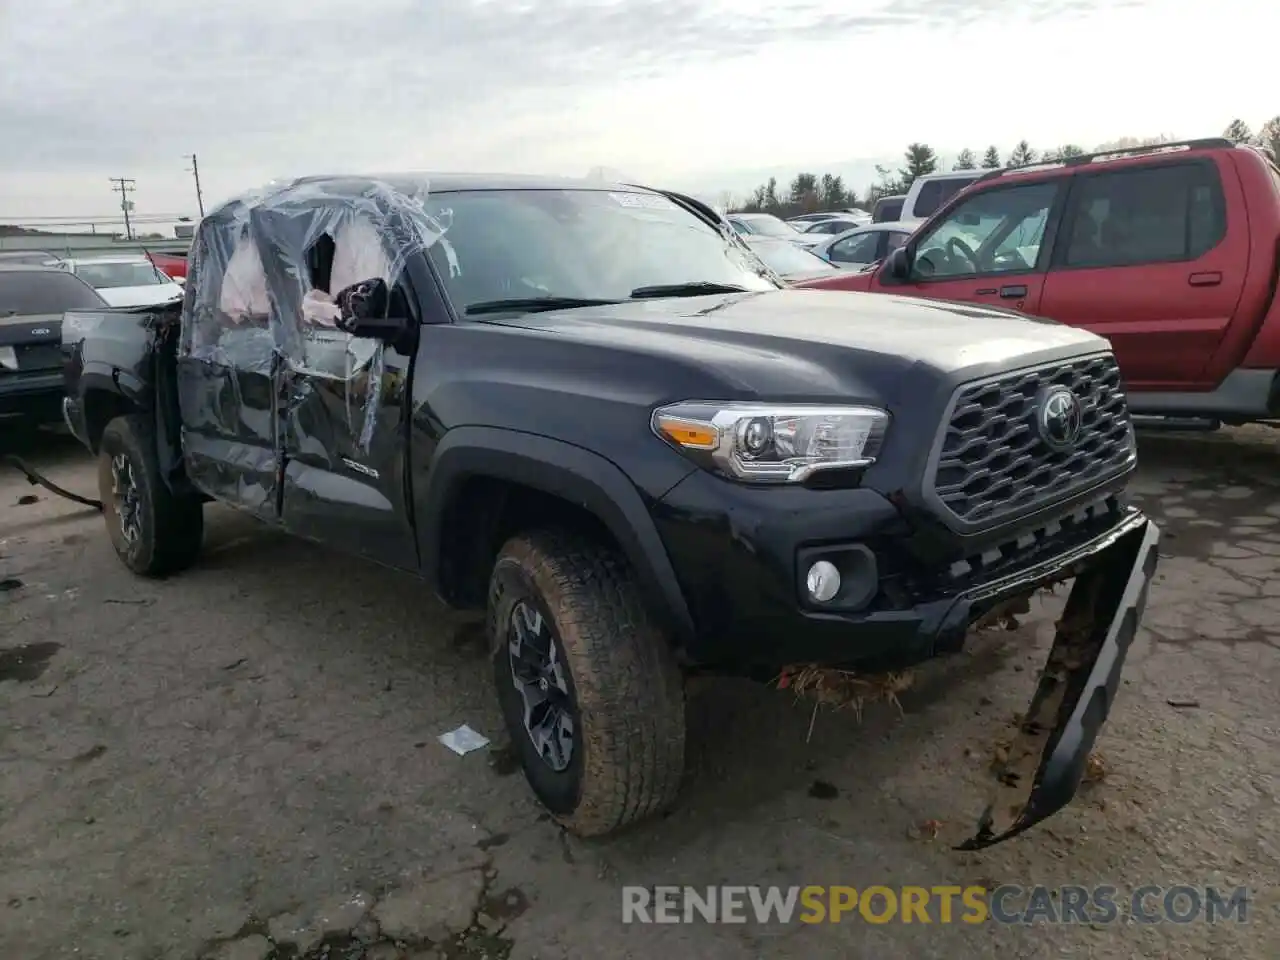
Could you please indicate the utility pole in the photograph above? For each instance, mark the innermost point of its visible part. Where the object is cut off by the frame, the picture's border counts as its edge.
(195, 169)
(124, 186)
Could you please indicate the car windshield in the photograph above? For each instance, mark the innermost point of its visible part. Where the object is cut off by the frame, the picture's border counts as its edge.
(32, 292)
(580, 244)
(131, 274)
(770, 226)
(784, 257)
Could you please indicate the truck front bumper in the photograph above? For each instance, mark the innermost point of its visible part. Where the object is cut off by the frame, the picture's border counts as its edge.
(748, 599)
(1076, 687)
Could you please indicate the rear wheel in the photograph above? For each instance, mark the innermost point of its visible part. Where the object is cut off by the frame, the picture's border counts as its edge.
(588, 686)
(154, 531)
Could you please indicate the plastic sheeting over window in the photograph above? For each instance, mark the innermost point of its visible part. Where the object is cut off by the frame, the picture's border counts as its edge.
(265, 268)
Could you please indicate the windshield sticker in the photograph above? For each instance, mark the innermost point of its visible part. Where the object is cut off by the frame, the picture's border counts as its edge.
(643, 201)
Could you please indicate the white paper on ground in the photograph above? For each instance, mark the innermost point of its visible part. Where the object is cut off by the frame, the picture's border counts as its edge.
(463, 740)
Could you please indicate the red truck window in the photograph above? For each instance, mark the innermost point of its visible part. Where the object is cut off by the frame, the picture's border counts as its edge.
(995, 231)
(1155, 214)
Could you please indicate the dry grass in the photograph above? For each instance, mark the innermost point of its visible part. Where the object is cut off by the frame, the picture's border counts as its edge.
(844, 689)
(851, 690)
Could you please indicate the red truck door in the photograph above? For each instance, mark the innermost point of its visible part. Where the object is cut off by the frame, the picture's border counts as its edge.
(991, 247)
(1146, 258)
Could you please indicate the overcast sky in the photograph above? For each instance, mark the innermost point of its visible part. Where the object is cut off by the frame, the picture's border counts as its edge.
(680, 92)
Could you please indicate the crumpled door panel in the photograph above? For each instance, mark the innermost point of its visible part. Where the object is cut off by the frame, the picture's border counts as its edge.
(265, 366)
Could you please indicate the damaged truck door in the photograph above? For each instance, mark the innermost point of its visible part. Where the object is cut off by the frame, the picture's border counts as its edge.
(344, 389)
(291, 408)
(228, 372)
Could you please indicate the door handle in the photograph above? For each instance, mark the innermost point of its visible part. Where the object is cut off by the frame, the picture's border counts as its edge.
(1211, 279)
(1013, 293)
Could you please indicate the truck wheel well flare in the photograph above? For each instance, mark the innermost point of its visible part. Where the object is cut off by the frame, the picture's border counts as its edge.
(483, 514)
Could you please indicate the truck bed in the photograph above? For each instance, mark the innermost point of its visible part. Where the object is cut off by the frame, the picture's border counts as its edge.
(114, 350)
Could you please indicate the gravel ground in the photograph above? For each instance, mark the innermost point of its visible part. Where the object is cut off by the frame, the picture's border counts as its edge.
(242, 762)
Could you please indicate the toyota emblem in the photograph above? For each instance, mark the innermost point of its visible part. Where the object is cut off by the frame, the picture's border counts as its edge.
(1059, 418)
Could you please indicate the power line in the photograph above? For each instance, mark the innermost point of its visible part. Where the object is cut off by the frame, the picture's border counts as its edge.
(124, 186)
(89, 218)
(195, 170)
(64, 225)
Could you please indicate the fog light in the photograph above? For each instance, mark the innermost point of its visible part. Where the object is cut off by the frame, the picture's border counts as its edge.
(823, 581)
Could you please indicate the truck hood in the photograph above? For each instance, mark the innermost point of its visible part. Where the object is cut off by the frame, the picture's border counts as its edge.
(820, 334)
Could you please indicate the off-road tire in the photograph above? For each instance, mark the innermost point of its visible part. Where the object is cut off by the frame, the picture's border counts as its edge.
(170, 527)
(628, 692)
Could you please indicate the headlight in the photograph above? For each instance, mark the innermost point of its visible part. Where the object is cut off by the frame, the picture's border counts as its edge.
(775, 443)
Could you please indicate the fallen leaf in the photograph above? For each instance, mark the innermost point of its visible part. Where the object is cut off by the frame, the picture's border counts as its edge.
(932, 827)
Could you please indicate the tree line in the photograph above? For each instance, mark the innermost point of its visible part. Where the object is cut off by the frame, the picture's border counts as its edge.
(813, 193)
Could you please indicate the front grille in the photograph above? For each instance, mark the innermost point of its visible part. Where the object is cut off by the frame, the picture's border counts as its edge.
(993, 463)
(910, 583)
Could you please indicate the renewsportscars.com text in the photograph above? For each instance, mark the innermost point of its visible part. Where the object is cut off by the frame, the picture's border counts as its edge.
(943, 904)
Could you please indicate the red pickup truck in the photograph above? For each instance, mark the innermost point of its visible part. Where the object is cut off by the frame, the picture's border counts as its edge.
(171, 264)
(1171, 252)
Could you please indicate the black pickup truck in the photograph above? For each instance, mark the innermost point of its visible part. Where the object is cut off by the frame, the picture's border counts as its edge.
(590, 410)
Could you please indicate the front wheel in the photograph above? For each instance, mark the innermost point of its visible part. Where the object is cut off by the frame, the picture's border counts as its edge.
(587, 683)
(154, 531)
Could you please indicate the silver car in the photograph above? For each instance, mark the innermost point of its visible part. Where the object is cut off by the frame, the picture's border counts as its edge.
(789, 261)
(864, 245)
(766, 225)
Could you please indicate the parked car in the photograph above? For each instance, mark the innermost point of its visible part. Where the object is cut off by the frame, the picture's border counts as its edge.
(844, 481)
(126, 281)
(34, 257)
(764, 225)
(1170, 252)
(803, 221)
(829, 228)
(862, 246)
(927, 194)
(33, 299)
(888, 209)
(792, 263)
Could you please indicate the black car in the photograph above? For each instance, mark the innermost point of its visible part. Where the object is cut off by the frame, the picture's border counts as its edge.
(32, 302)
(588, 410)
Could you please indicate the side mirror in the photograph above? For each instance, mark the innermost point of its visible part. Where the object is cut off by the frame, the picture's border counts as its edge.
(363, 309)
(897, 265)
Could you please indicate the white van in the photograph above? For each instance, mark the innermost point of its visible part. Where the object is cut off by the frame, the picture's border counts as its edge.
(927, 195)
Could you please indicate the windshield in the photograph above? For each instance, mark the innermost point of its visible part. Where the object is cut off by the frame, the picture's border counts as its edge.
(106, 275)
(784, 257)
(31, 292)
(770, 226)
(583, 244)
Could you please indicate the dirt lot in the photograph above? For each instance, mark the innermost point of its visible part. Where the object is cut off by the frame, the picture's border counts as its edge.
(244, 759)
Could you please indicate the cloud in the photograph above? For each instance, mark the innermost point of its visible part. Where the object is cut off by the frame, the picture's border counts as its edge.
(122, 81)
(127, 87)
